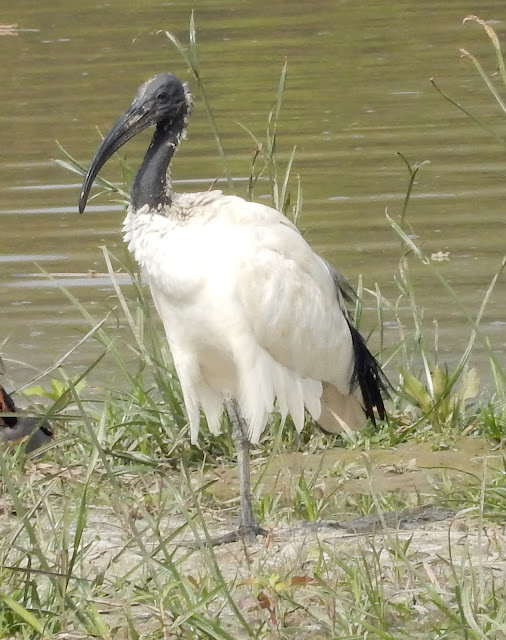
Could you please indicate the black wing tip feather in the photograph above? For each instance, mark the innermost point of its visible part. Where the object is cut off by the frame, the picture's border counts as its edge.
(367, 372)
(369, 376)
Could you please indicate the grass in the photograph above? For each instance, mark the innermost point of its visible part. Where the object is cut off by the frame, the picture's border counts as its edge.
(105, 538)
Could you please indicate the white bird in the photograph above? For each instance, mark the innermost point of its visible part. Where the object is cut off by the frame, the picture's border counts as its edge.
(254, 317)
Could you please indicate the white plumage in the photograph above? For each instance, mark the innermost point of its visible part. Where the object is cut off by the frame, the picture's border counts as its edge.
(253, 316)
(250, 311)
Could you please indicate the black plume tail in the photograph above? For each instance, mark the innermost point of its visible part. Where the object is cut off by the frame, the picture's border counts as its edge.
(368, 375)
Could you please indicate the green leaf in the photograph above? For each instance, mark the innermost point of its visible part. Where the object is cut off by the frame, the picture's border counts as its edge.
(439, 382)
(470, 385)
(417, 392)
(23, 613)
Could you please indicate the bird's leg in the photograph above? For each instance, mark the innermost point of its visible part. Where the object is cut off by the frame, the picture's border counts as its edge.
(248, 527)
(242, 446)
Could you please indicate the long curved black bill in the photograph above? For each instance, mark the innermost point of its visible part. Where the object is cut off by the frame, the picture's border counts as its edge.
(129, 125)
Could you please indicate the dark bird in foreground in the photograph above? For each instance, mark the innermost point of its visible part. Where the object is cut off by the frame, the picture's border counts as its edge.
(253, 316)
(17, 428)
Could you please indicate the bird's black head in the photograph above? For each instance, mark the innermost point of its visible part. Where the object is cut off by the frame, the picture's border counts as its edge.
(162, 98)
(163, 101)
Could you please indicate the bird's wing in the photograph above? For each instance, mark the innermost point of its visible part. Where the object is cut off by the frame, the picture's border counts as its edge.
(289, 297)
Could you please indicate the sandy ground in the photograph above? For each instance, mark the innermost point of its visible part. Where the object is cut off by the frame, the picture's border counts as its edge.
(435, 535)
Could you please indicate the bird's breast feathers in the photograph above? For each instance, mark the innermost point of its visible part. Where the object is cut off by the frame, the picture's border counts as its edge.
(219, 261)
(200, 236)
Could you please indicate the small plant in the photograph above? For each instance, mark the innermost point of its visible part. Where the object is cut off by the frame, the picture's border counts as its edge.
(493, 422)
(310, 498)
(443, 399)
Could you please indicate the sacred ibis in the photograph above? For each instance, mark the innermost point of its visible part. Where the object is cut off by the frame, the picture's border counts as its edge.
(16, 428)
(253, 316)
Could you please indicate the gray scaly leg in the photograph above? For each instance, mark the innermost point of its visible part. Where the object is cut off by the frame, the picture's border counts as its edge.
(248, 527)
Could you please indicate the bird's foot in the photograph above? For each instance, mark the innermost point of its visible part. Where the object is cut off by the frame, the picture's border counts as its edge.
(246, 532)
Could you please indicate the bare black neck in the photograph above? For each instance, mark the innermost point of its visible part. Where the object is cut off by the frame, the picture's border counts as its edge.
(152, 184)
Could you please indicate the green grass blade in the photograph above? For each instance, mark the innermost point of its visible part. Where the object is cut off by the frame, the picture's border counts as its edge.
(25, 615)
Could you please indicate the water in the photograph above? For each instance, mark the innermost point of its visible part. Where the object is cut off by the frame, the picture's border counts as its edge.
(358, 91)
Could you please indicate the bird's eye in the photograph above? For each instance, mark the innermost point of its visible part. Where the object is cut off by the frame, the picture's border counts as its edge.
(162, 96)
